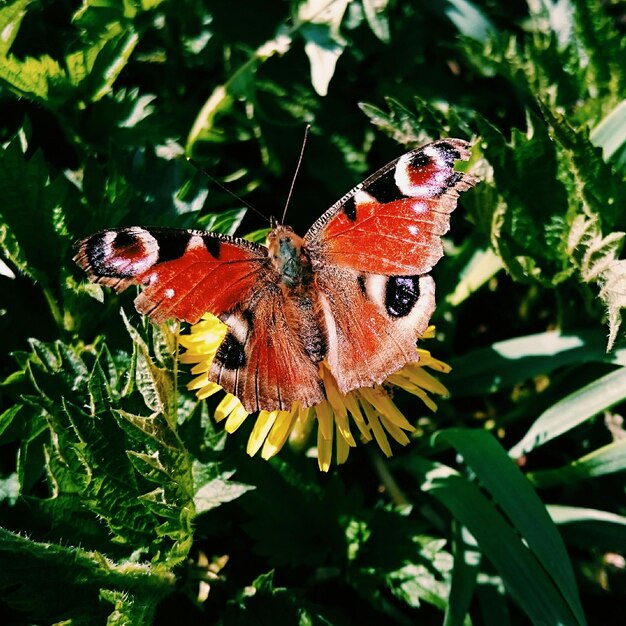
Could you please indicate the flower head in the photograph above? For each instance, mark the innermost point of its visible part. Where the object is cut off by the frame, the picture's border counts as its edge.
(370, 409)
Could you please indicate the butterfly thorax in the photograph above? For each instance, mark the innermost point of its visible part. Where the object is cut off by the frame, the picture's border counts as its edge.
(290, 258)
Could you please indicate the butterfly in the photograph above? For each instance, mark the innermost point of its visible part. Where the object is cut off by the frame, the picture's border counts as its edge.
(355, 291)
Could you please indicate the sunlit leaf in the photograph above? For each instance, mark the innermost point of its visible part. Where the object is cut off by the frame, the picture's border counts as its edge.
(573, 410)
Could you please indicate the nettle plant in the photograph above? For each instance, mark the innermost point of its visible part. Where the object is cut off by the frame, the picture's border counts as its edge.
(121, 499)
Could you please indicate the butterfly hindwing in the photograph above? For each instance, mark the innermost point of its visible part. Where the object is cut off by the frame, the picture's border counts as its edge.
(264, 360)
(373, 321)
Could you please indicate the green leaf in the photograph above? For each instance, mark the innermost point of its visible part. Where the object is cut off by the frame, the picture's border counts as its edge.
(377, 18)
(530, 227)
(11, 16)
(217, 491)
(240, 85)
(573, 410)
(605, 460)
(562, 514)
(154, 383)
(59, 579)
(610, 135)
(593, 528)
(483, 265)
(109, 63)
(597, 258)
(467, 560)
(506, 363)
(9, 488)
(323, 41)
(525, 578)
(510, 489)
(469, 20)
(225, 222)
(323, 49)
(32, 78)
(30, 197)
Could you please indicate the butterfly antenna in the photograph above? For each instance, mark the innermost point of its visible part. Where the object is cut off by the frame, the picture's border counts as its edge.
(226, 189)
(295, 175)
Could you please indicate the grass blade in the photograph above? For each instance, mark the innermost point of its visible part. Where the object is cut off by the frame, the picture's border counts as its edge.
(573, 410)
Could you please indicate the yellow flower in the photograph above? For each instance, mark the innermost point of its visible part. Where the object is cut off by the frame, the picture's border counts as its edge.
(371, 409)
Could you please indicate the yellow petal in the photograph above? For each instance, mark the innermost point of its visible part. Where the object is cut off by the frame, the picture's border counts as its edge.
(301, 428)
(262, 426)
(199, 382)
(343, 450)
(279, 433)
(397, 433)
(353, 407)
(384, 405)
(324, 450)
(226, 406)
(236, 418)
(208, 390)
(377, 429)
(429, 333)
(343, 428)
(201, 368)
(325, 419)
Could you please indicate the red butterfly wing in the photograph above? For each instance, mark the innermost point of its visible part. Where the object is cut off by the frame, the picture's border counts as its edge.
(392, 223)
(371, 252)
(263, 360)
(184, 273)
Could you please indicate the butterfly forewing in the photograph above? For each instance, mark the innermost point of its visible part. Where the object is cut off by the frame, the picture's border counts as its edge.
(392, 223)
(184, 273)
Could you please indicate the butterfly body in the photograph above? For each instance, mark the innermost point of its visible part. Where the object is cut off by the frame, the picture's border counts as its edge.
(290, 258)
(354, 291)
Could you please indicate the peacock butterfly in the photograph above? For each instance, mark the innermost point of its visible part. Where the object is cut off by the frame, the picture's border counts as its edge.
(355, 290)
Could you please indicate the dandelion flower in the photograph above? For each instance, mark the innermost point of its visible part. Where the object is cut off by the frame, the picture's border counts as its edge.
(370, 409)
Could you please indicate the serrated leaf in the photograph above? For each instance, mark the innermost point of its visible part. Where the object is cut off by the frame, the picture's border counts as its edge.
(530, 228)
(11, 16)
(128, 609)
(57, 581)
(218, 491)
(154, 383)
(33, 78)
(597, 259)
(31, 198)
